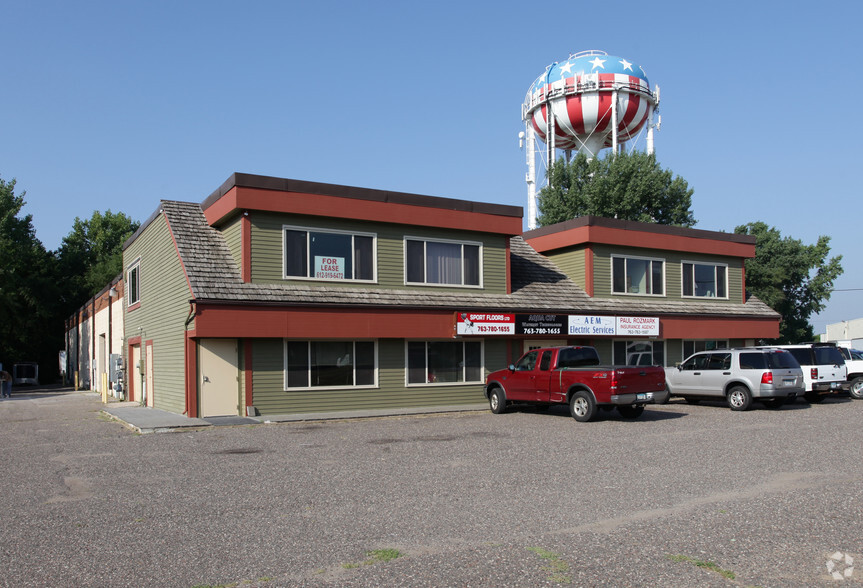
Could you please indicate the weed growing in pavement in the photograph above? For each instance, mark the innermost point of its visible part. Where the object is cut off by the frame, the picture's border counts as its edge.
(707, 565)
(375, 556)
(557, 568)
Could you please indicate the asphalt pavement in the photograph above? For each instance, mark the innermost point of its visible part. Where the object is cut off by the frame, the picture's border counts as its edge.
(683, 496)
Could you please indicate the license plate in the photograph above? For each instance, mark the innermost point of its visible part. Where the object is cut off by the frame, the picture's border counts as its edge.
(834, 385)
(790, 382)
(644, 396)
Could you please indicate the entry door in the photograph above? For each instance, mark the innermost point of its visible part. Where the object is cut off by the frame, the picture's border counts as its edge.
(136, 382)
(149, 387)
(217, 377)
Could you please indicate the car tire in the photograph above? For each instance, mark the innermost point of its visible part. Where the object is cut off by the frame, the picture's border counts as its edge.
(630, 411)
(856, 389)
(739, 398)
(582, 406)
(497, 401)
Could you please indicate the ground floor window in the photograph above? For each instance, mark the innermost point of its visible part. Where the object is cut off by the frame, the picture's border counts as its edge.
(444, 362)
(639, 353)
(690, 347)
(330, 364)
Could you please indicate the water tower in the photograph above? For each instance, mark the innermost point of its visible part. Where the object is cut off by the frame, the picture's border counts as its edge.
(587, 103)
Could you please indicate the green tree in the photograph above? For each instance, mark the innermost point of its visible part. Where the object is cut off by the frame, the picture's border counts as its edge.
(625, 186)
(792, 278)
(91, 255)
(28, 287)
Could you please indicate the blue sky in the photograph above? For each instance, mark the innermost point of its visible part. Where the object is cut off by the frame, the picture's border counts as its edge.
(116, 105)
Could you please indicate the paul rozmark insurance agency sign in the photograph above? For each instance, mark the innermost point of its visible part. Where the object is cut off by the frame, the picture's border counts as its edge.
(478, 323)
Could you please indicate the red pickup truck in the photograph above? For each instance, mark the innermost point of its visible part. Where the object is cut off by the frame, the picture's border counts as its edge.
(574, 376)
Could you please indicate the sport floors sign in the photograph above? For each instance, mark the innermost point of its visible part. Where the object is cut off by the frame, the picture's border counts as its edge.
(580, 325)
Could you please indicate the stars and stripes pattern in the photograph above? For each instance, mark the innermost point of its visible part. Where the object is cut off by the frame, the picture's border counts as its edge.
(580, 91)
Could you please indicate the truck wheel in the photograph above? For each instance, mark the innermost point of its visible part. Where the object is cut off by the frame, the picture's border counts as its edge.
(857, 388)
(739, 398)
(582, 406)
(630, 411)
(497, 401)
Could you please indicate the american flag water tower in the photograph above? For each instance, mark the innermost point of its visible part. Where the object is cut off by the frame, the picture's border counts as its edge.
(587, 103)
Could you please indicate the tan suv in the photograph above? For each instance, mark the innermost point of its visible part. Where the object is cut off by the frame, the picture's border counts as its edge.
(740, 376)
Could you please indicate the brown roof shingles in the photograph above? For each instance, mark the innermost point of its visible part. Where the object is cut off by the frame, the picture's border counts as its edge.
(537, 284)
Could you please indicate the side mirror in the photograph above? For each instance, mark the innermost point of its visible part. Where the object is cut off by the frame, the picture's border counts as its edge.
(512, 367)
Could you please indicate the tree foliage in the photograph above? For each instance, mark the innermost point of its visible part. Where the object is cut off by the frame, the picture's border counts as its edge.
(625, 186)
(27, 284)
(91, 254)
(793, 278)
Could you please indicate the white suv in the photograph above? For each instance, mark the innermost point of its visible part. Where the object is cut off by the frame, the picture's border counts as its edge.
(739, 375)
(824, 370)
(854, 363)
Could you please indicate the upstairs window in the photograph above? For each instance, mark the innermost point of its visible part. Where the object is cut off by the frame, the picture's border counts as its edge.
(133, 284)
(329, 255)
(705, 280)
(448, 263)
(637, 275)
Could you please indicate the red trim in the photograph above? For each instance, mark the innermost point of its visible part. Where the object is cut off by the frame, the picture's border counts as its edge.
(237, 321)
(701, 327)
(247, 369)
(588, 270)
(191, 352)
(246, 229)
(242, 198)
(131, 342)
(641, 239)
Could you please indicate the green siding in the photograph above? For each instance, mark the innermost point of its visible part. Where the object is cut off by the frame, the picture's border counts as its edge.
(270, 396)
(673, 272)
(232, 231)
(162, 315)
(571, 262)
(268, 238)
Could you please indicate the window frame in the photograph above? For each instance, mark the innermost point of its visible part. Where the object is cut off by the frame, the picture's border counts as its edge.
(310, 260)
(134, 267)
(715, 265)
(425, 240)
(694, 343)
(652, 260)
(463, 343)
(309, 367)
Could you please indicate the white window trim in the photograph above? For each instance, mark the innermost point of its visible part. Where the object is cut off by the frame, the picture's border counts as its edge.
(436, 240)
(134, 266)
(664, 279)
(445, 384)
(714, 264)
(285, 276)
(309, 342)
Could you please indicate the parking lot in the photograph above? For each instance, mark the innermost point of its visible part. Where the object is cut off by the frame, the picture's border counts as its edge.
(683, 496)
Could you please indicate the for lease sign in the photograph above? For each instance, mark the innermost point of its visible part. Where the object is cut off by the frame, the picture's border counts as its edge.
(329, 268)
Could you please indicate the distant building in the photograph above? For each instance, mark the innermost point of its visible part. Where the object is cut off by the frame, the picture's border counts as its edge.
(850, 332)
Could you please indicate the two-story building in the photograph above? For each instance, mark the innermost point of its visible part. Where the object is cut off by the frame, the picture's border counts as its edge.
(280, 296)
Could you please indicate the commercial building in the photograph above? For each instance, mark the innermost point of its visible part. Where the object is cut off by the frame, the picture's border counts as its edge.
(277, 296)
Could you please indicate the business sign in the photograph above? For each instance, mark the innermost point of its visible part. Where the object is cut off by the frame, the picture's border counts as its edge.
(573, 325)
(637, 326)
(479, 323)
(329, 268)
(540, 324)
(590, 325)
